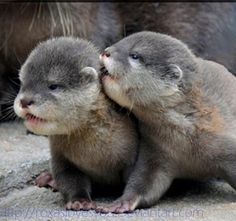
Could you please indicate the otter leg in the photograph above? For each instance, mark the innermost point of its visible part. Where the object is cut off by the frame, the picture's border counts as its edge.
(147, 183)
(74, 185)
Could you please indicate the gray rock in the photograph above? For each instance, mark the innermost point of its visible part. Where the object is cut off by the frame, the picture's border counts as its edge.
(212, 201)
(22, 156)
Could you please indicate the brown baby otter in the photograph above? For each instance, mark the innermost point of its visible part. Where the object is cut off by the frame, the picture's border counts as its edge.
(186, 111)
(90, 140)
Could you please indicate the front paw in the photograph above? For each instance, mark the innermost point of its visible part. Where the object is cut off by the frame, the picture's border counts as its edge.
(45, 179)
(81, 204)
(119, 206)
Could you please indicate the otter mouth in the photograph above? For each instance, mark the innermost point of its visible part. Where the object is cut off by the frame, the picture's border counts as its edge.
(105, 74)
(34, 119)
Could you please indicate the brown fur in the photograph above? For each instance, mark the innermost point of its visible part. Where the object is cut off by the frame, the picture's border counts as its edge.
(209, 118)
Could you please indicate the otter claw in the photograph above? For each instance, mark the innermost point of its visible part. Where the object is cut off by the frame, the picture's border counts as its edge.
(81, 204)
(116, 207)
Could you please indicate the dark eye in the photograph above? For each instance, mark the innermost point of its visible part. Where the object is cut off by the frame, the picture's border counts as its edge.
(54, 87)
(135, 56)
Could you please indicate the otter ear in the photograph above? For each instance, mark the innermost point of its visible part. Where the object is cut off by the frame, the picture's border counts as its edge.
(173, 73)
(88, 74)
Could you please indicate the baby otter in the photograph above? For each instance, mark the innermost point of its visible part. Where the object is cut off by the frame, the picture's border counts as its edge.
(90, 141)
(24, 24)
(186, 110)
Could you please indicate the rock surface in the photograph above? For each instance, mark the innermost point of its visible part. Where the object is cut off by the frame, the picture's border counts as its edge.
(23, 156)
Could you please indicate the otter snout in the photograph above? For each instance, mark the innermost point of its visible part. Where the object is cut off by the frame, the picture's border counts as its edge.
(25, 103)
(106, 54)
(107, 60)
(22, 104)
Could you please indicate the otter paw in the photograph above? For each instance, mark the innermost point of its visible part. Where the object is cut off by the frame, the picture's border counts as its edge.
(45, 179)
(121, 206)
(81, 204)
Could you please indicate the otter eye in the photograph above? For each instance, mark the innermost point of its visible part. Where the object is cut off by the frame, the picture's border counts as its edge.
(135, 56)
(54, 87)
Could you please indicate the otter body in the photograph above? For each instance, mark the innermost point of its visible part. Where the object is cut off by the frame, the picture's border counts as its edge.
(60, 96)
(186, 111)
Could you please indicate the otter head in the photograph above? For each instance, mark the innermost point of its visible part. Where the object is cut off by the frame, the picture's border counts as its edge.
(146, 68)
(59, 86)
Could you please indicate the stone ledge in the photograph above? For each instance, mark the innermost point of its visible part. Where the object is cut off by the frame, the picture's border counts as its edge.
(22, 156)
(213, 201)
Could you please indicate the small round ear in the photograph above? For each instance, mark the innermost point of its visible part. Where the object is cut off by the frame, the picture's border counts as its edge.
(173, 73)
(90, 71)
(88, 74)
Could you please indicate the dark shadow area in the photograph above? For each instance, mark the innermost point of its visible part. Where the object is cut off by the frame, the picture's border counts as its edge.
(199, 189)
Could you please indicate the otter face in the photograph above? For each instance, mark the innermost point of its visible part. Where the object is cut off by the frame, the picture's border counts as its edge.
(58, 86)
(144, 68)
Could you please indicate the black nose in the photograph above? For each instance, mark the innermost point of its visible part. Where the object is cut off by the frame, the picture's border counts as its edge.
(106, 53)
(25, 103)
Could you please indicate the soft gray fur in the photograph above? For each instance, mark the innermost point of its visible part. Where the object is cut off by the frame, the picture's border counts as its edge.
(24, 24)
(90, 140)
(186, 110)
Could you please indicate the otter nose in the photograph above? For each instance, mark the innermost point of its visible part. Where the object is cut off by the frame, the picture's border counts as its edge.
(106, 53)
(25, 103)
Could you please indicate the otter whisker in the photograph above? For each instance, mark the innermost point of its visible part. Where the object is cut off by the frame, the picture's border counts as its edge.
(10, 92)
(7, 113)
(14, 82)
(7, 97)
(2, 102)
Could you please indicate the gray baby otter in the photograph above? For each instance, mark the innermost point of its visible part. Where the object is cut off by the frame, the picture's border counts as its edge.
(186, 110)
(90, 141)
(24, 24)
